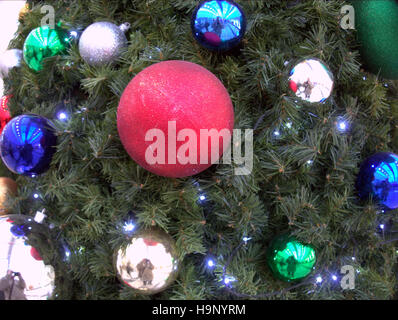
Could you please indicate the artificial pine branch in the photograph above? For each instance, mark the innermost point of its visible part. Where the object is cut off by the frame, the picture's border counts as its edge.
(302, 181)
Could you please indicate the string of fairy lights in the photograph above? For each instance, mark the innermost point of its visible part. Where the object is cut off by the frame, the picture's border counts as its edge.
(129, 225)
(317, 280)
(228, 281)
(342, 126)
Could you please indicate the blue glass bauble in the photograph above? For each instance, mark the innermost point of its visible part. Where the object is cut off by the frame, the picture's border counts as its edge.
(19, 230)
(378, 178)
(27, 145)
(218, 25)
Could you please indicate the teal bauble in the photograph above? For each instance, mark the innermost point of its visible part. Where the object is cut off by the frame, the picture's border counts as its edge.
(376, 23)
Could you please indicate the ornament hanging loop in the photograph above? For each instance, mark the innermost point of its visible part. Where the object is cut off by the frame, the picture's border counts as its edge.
(125, 27)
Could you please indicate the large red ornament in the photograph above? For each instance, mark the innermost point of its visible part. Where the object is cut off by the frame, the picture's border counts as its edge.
(5, 116)
(160, 104)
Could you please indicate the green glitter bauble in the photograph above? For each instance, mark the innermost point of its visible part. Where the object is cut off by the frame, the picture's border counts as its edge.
(44, 42)
(289, 259)
(376, 22)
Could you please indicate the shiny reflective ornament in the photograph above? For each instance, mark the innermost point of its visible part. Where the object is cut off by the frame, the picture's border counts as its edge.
(44, 42)
(378, 178)
(218, 25)
(5, 115)
(8, 60)
(27, 145)
(289, 259)
(101, 43)
(23, 274)
(8, 190)
(149, 263)
(311, 80)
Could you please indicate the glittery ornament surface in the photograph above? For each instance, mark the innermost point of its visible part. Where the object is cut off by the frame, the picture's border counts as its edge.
(101, 43)
(44, 42)
(8, 60)
(27, 144)
(311, 80)
(168, 97)
(376, 24)
(149, 263)
(22, 275)
(289, 259)
(5, 115)
(378, 178)
(218, 25)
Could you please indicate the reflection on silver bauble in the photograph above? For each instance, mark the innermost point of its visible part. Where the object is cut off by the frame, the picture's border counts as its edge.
(101, 43)
(23, 274)
(149, 263)
(8, 60)
(311, 80)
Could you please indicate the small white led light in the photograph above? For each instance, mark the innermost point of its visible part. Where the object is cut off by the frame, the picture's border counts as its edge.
(210, 263)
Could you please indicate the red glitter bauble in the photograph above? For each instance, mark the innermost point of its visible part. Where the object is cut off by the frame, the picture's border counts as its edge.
(5, 116)
(160, 102)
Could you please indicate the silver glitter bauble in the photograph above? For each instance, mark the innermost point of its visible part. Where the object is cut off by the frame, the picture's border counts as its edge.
(101, 42)
(8, 60)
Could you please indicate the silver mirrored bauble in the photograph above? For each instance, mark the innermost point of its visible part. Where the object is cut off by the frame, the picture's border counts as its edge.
(8, 60)
(23, 274)
(311, 80)
(149, 263)
(101, 43)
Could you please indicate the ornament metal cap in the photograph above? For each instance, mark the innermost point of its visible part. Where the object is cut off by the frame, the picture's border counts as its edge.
(125, 27)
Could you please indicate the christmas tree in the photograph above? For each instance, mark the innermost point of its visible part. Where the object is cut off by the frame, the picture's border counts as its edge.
(306, 156)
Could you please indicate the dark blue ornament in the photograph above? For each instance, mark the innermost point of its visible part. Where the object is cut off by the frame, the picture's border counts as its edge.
(20, 230)
(218, 25)
(378, 178)
(27, 145)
